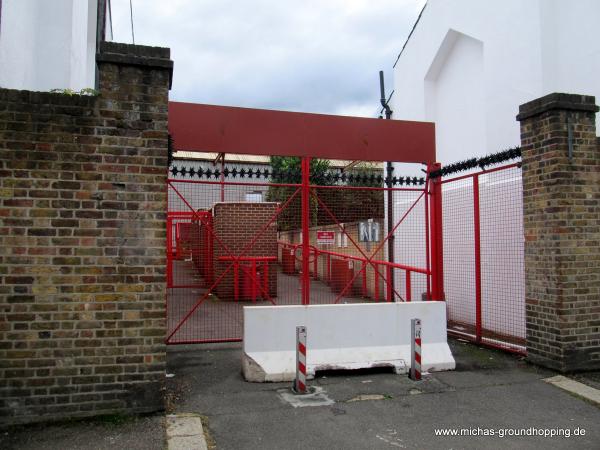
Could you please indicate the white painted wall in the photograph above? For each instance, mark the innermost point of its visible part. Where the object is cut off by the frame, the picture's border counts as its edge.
(48, 45)
(470, 63)
(468, 66)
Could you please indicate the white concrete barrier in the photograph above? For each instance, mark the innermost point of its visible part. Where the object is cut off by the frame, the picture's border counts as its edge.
(349, 336)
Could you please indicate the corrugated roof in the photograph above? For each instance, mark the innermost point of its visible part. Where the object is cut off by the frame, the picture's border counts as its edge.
(229, 157)
(250, 159)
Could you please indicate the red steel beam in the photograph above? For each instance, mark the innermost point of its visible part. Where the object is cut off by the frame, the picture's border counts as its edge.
(226, 129)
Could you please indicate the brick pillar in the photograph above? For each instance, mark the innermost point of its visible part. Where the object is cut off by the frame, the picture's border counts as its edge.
(82, 243)
(561, 209)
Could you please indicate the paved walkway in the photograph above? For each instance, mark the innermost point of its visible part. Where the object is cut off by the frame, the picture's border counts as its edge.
(489, 389)
(221, 320)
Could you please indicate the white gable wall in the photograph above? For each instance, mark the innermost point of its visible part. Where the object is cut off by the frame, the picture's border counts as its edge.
(444, 97)
(469, 65)
(572, 33)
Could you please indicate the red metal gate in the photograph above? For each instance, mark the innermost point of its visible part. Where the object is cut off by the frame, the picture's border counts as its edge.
(484, 251)
(382, 238)
(263, 253)
(226, 261)
(225, 252)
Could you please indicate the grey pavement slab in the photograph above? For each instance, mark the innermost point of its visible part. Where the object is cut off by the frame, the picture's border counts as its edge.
(576, 388)
(184, 432)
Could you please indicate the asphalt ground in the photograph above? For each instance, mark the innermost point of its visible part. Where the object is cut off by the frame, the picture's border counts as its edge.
(104, 433)
(489, 391)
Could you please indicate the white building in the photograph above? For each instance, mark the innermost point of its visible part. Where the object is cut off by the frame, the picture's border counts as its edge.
(48, 44)
(469, 64)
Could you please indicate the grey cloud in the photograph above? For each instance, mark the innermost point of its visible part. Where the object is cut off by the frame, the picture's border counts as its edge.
(318, 56)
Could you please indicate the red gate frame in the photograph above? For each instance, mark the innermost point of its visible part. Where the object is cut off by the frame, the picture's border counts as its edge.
(369, 260)
(171, 217)
(477, 248)
(234, 258)
(222, 129)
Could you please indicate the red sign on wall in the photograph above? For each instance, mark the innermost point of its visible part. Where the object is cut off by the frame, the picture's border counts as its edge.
(325, 237)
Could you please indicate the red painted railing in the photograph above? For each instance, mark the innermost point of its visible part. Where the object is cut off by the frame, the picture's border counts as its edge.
(376, 264)
(253, 260)
(197, 243)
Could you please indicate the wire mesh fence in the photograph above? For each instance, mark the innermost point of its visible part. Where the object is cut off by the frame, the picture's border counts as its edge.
(228, 261)
(484, 257)
(235, 238)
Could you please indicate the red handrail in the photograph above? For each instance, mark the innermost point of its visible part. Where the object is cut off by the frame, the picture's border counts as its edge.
(247, 258)
(358, 258)
(254, 283)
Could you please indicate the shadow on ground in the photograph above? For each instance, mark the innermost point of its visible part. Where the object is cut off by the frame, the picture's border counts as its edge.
(104, 433)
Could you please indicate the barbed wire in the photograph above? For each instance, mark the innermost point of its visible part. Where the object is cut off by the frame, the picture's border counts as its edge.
(482, 163)
(295, 176)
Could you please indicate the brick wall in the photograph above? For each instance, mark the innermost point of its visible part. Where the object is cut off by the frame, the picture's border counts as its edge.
(236, 225)
(82, 238)
(561, 207)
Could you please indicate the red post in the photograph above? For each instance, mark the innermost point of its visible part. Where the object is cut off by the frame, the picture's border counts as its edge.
(169, 257)
(408, 287)
(253, 279)
(427, 257)
(437, 246)
(210, 256)
(266, 277)
(169, 252)
(305, 230)
(177, 244)
(376, 272)
(415, 349)
(388, 275)
(223, 177)
(477, 232)
(364, 279)
(236, 281)
(300, 380)
(329, 268)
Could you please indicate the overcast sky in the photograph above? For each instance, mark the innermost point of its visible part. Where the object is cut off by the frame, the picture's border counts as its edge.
(304, 55)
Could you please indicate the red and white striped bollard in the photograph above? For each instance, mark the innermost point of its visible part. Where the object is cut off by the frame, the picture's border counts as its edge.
(300, 381)
(415, 347)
